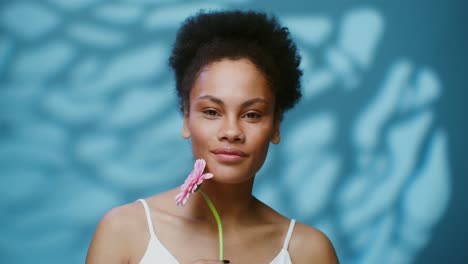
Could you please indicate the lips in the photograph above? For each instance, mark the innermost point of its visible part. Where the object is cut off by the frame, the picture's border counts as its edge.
(229, 155)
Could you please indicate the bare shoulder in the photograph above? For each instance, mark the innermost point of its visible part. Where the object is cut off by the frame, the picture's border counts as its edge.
(310, 245)
(123, 219)
(116, 234)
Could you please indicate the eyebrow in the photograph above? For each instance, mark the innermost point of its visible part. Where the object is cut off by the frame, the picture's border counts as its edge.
(243, 105)
(211, 98)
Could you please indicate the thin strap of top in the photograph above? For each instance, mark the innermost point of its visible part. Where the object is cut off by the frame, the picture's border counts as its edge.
(151, 228)
(288, 236)
(148, 216)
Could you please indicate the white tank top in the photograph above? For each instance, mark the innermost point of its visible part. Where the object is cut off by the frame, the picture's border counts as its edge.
(157, 253)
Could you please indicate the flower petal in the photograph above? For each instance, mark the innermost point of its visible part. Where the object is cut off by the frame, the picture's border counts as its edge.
(193, 180)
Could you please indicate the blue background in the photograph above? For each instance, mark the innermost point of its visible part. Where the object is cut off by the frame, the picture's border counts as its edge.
(373, 155)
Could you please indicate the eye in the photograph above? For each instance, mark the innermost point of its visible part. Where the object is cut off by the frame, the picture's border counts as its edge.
(252, 115)
(211, 113)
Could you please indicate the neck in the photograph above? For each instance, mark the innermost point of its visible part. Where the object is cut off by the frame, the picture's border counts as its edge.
(233, 202)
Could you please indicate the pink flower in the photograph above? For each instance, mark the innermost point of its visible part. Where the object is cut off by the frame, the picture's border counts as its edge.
(192, 182)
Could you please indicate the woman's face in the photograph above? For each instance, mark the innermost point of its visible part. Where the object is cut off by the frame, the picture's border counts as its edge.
(231, 119)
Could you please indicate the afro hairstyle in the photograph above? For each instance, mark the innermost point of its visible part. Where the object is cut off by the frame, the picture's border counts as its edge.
(212, 36)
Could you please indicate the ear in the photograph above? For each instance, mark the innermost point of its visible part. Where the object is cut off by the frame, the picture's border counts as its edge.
(275, 138)
(185, 129)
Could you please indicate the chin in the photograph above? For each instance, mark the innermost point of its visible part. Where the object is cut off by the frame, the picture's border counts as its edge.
(231, 175)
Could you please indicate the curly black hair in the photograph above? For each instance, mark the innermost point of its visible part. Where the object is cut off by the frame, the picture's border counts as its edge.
(212, 36)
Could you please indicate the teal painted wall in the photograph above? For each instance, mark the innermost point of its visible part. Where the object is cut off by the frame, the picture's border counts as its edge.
(373, 155)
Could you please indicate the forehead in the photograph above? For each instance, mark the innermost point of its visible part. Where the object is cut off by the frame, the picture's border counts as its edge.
(231, 79)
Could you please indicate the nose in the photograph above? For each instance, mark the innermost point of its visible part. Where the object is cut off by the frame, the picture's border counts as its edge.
(231, 131)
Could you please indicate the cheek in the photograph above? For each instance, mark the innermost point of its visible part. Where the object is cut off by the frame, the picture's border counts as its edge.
(262, 140)
(200, 137)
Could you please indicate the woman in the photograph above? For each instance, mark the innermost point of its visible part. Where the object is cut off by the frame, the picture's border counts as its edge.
(236, 74)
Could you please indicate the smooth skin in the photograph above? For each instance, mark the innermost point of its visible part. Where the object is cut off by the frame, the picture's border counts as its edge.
(231, 110)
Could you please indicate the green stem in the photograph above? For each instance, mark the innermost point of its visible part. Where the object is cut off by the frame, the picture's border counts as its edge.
(218, 221)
